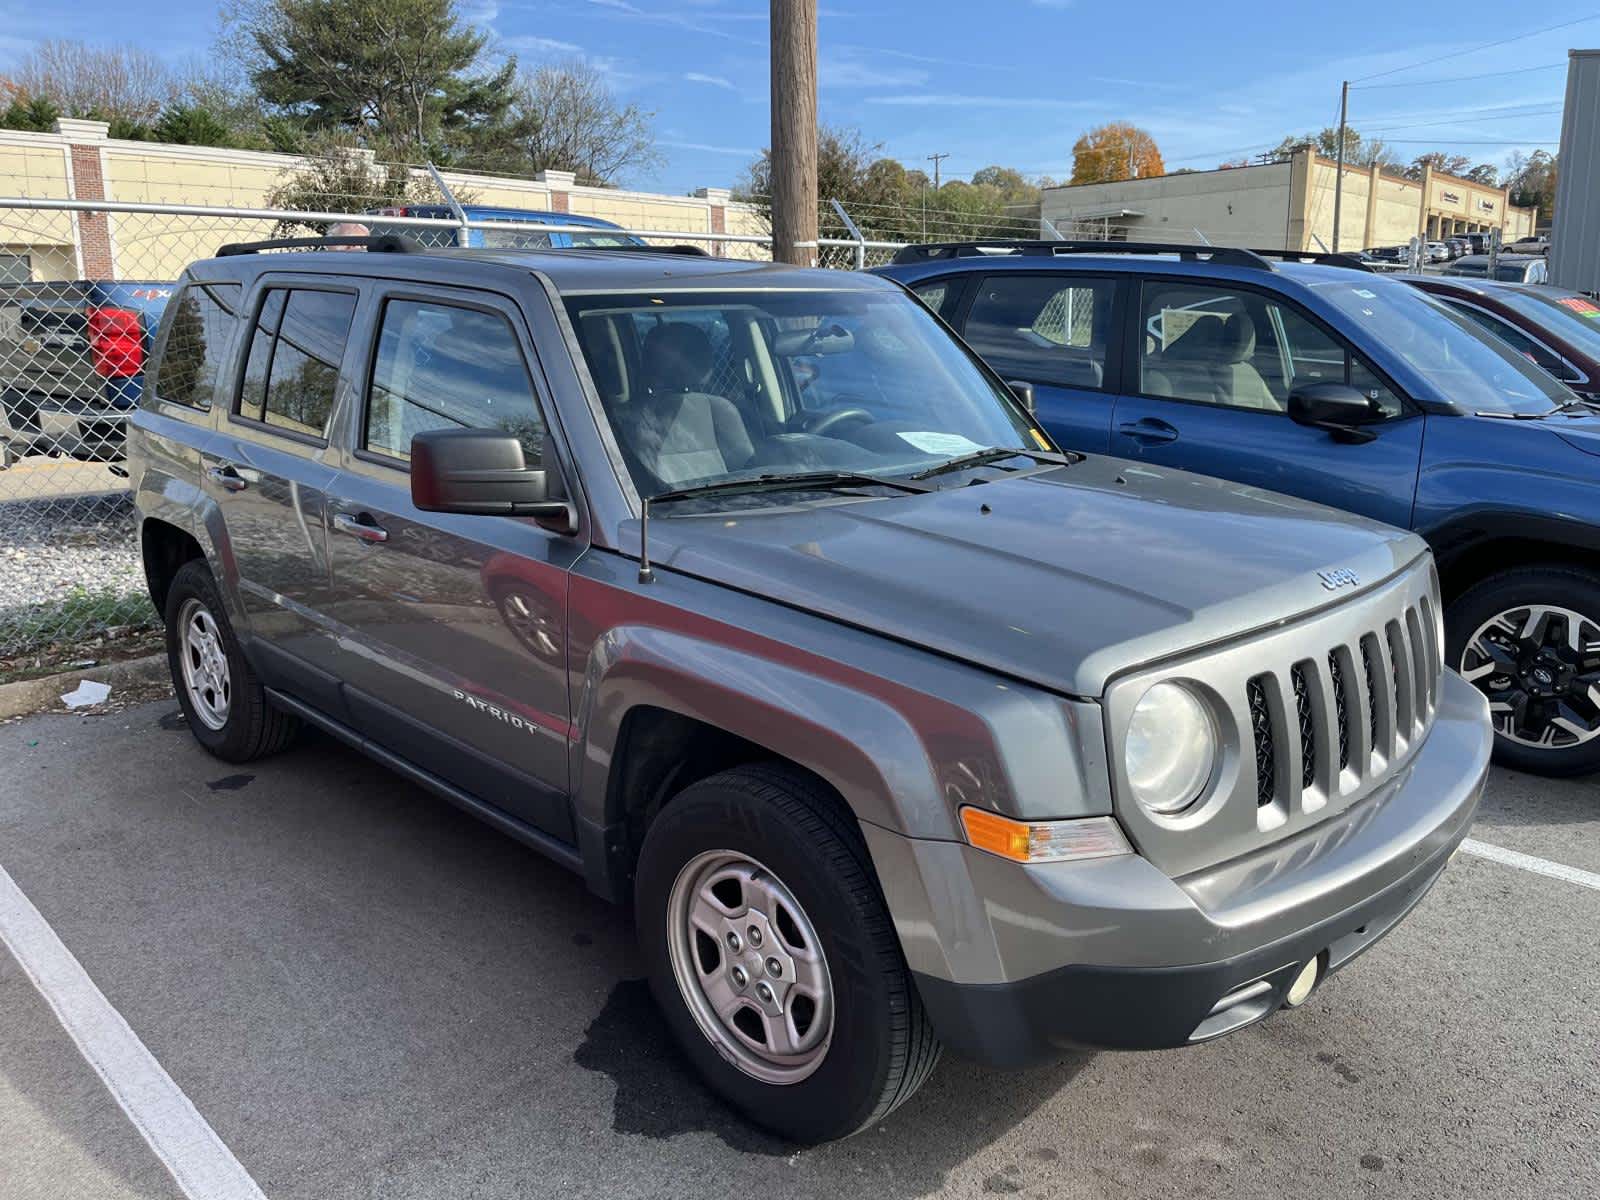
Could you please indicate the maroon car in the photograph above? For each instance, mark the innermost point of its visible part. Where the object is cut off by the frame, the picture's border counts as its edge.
(1557, 329)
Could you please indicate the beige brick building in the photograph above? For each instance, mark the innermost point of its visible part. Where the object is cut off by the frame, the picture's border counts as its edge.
(79, 162)
(1287, 204)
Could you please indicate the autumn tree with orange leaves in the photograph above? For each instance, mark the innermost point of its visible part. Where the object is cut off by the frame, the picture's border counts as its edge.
(1115, 151)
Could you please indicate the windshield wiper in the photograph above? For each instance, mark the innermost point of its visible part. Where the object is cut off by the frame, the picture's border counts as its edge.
(1565, 406)
(993, 454)
(773, 482)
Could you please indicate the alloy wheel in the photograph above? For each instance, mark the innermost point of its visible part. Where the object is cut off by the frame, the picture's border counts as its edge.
(205, 664)
(750, 967)
(1540, 667)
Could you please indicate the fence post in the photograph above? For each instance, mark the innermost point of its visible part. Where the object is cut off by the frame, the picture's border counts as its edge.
(462, 232)
(861, 242)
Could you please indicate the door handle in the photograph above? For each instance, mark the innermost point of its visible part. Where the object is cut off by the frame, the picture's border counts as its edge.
(361, 527)
(1149, 430)
(226, 478)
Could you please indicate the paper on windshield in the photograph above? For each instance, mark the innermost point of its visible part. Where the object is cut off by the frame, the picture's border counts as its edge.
(941, 443)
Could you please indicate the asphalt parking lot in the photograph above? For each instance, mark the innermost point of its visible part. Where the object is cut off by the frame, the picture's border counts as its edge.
(366, 993)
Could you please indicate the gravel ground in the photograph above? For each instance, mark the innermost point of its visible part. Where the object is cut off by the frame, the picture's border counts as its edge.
(53, 553)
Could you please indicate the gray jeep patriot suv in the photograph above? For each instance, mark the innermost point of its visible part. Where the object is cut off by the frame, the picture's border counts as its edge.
(749, 593)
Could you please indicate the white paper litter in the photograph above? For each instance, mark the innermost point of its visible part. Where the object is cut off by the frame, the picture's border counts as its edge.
(86, 693)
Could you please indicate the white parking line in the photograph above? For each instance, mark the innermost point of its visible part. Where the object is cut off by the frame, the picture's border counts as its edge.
(1539, 866)
(203, 1166)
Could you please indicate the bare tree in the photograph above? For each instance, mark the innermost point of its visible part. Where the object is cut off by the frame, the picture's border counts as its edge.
(576, 124)
(112, 83)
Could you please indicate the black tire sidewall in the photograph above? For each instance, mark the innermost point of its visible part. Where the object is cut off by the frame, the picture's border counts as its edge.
(845, 1089)
(194, 582)
(1565, 587)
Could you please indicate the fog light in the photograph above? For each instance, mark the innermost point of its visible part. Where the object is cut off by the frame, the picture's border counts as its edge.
(1300, 989)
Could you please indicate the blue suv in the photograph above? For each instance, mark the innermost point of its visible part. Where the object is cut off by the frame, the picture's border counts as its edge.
(1310, 375)
(589, 232)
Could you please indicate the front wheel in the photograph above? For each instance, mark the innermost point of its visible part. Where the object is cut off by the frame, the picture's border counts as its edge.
(1529, 639)
(772, 955)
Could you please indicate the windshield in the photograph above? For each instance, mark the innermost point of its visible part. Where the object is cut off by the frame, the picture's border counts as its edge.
(1568, 315)
(705, 386)
(1466, 366)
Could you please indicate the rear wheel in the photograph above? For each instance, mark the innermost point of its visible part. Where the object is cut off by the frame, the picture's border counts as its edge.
(1529, 639)
(772, 955)
(223, 701)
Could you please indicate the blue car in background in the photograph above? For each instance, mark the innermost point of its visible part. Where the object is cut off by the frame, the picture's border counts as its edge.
(1310, 375)
(576, 231)
(72, 358)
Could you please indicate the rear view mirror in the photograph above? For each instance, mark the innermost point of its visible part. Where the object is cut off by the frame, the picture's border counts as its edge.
(484, 472)
(1023, 391)
(1338, 408)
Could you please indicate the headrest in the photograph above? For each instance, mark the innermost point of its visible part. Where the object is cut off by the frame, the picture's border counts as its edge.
(677, 357)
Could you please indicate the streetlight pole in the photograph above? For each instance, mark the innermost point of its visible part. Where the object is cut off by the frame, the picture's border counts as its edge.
(1338, 182)
(794, 132)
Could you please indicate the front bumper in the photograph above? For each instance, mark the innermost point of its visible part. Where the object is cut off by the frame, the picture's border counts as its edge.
(1016, 963)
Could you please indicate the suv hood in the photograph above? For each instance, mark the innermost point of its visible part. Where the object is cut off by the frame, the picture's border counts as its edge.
(1063, 578)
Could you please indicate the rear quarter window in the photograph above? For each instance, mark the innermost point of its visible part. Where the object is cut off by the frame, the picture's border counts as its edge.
(204, 316)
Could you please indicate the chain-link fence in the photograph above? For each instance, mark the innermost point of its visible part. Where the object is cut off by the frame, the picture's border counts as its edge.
(83, 286)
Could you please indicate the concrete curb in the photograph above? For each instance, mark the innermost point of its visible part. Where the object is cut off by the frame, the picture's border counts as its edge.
(35, 695)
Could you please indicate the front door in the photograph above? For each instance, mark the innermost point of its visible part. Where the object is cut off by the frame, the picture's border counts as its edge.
(454, 627)
(1051, 329)
(268, 471)
(1213, 369)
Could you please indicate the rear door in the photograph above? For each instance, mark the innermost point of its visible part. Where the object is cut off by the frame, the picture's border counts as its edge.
(1209, 380)
(1051, 329)
(269, 468)
(453, 628)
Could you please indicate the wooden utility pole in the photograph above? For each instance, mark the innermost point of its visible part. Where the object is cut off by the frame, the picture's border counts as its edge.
(794, 132)
(1338, 176)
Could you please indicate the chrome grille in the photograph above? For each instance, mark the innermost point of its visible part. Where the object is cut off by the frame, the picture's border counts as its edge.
(1400, 676)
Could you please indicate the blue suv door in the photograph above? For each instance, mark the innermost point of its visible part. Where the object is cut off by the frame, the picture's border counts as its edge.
(1207, 388)
(1052, 329)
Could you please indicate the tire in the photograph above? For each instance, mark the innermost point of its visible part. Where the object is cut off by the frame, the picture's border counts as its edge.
(1511, 635)
(222, 699)
(878, 1046)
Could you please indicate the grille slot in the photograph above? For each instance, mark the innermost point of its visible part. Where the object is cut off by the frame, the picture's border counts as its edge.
(1308, 728)
(1266, 753)
(1368, 645)
(1341, 707)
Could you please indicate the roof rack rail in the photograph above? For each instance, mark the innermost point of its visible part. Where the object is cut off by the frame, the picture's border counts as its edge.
(683, 249)
(1322, 258)
(381, 243)
(1230, 256)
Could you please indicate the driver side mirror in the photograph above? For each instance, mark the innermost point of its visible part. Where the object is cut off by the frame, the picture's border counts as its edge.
(1023, 391)
(483, 472)
(1337, 408)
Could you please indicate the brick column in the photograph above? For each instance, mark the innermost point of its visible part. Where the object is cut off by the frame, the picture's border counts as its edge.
(560, 185)
(717, 205)
(84, 141)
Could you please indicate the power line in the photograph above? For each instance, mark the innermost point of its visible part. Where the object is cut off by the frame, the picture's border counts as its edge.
(1433, 124)
(1475, 49)
(1454, 78)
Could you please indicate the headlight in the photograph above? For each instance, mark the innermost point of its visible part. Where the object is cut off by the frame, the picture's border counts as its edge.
(1170, 750)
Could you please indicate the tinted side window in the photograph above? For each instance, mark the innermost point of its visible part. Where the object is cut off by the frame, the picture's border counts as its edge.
(1049, 329)
(441, 367)
(305, 363)
(203, 320)
(291, 375)
(933, 294)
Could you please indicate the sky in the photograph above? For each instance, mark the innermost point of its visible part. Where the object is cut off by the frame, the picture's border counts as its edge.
(1013, 82)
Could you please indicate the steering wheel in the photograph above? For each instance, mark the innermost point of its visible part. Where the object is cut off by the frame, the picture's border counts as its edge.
(818, 424)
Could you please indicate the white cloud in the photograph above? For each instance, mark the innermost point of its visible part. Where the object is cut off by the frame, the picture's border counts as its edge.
(712, 80)
(704, 148)
(956, 100)
(540, 45)
(851, 72)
